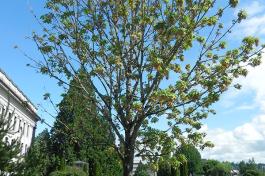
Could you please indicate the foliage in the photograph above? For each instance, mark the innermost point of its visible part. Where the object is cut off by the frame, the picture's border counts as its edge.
(249, 168)
(221, 169)
(80, 135)
(251, 173)
(174, 166)
(216, 168)
(75, 136)
(67, 171)
(141, 170)
(244, 166)
(39, 161)
(193, 157)
(207, 166)
(164, 169)
(9, 150)
(184, 169)
(146, 61)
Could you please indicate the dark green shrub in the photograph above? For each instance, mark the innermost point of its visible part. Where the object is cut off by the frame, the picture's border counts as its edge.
(69, 171)
(192, 156)
(141, 170)
(184, 169)
(251, 173)
(166, 169)
(86, 168)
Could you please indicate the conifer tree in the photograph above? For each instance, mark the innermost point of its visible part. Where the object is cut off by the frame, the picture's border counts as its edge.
(39, 160)
(80, 134)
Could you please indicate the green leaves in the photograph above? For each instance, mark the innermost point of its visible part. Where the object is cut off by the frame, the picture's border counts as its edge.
(166, 60)
(46, 96)
(222, 45)
(142, 170)
(44, 70)
(233, 3)
(80, 133)
(181, 85)
(237, 86)
(250, 41)
(47, 18)
(192, 156)
(200, 39)
(46, 49)
(256, 61)
(194, 95)
(242, 15)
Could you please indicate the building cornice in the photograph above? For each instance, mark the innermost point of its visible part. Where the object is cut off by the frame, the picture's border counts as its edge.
(17, 93)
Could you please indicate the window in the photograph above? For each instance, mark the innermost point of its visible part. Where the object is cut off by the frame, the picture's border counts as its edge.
(28, 131)
(19, 126)
(10, 115)
(6, 140)
(21, 147)
(1, 110)
(24, 129)
(14, 124)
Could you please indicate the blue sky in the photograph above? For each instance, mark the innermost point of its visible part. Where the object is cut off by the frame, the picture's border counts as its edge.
(16, 23)
(236, 130)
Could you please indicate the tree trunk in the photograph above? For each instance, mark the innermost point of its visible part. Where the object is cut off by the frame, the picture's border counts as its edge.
(128, 166)
(128, 155)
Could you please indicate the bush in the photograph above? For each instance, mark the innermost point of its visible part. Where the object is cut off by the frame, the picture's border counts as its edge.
(141, 170)
(251, 173)
(167, 169)
(69, 171)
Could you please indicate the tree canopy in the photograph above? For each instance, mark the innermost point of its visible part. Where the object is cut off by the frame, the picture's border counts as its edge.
(147, 61)
(193, 157)
(78, 134)
(39, 160)
(142, 170)
(216, 168)
(249, 168)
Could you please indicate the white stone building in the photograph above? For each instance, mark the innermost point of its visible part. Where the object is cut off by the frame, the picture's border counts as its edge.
(23, 112)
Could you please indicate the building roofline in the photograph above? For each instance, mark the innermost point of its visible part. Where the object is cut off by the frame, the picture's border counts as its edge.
(16, 90)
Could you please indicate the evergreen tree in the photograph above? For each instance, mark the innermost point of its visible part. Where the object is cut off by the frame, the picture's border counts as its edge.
(183, 168)
(39, 161)
(171, 166)
(221, 169)
(216, 168)
(79, 134)
(164, 169)
(193, 157)
(249, 168)
(141, 170)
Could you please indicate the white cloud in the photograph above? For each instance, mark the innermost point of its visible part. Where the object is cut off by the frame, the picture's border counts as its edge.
(246, 107)
(253, 8)
(242, 143)
(247, 140)
(255, 82)
(255, 23)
